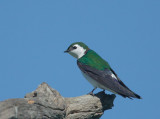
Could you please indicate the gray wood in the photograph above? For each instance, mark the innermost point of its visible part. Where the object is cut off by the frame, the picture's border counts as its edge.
(47, 103)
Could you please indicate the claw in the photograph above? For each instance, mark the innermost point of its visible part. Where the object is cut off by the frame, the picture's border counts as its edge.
(103, 91)
(91, 93)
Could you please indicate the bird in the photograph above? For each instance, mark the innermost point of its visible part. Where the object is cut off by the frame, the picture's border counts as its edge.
(98, 72)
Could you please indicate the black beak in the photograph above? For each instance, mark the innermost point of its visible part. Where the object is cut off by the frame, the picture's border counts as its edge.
(66, 51)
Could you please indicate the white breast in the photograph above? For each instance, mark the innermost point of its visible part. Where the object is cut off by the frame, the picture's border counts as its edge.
(90, 80)
(95, 83)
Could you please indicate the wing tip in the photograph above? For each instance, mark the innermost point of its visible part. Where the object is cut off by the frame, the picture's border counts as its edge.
(131, 97)
(137, 96)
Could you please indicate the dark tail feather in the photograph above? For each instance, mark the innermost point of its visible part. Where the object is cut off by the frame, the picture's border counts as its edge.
(131, 97)
(124, 96)
(137, 96)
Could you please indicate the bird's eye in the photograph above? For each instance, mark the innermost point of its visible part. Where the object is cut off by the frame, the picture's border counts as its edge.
(74, 47)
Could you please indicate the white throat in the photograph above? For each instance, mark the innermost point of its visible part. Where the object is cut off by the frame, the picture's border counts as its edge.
(79, 52)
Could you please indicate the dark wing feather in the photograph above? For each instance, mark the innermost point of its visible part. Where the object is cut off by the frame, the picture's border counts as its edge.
(119, 80)
(137, 96)
(105, 79)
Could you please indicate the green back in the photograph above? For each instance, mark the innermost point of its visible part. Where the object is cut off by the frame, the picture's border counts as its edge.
(92, 59)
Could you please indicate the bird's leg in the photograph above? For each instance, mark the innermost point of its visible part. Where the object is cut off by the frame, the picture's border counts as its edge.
(103, 91)
(91, 93)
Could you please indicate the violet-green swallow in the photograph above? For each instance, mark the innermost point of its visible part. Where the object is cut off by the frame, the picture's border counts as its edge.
(97, 71)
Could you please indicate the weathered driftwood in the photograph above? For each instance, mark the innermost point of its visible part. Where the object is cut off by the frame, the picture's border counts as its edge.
(46, 103)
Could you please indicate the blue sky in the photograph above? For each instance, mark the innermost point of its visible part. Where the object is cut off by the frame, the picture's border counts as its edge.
(34, 34)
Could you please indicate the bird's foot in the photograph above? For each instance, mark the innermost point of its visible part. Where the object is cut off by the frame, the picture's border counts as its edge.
(91, 93)
(103, 91)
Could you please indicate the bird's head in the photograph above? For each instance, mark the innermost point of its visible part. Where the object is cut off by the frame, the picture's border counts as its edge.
(77, 49)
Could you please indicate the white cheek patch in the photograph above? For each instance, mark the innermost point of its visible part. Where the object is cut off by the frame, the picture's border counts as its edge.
(79, 52)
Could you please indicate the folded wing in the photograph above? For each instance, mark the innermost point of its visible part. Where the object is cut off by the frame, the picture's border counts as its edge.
(106, 78)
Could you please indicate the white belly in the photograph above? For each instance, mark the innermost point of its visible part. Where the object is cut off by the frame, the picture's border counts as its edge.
(90, 80)
(95, 83)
